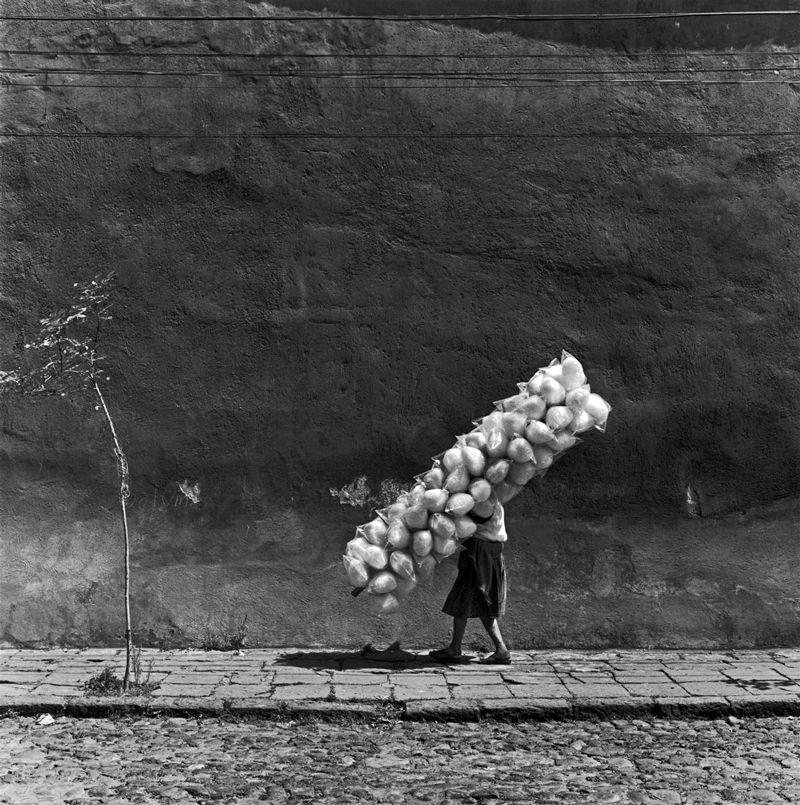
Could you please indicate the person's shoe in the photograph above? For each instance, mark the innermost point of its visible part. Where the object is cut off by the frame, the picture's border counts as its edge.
(497, 658)
(443, 655)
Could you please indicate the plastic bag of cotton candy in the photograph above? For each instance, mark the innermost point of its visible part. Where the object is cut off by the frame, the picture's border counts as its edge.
(521, 439)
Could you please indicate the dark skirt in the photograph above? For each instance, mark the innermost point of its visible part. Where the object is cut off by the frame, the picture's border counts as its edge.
(479, 590)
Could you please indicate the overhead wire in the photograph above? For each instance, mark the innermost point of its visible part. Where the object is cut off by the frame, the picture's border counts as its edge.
(451, 79)
(307, 135)
(384, 73)
(326, 17)
(294, 55)
(497, 83)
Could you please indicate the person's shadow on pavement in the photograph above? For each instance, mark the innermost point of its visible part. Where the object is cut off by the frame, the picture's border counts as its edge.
(392, 657)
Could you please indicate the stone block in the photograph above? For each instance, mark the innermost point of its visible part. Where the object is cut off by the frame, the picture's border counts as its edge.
(242, 691)
(480, 692)
(57, 690)
(715, 688)
(686, 706)
(658, 689)
(417, 680)
(442, 711)
(183, 691)
(300, 692)
(539, 692)
(194, 678)
(354, 693)
(461, 678)
(595, 690)
(531, 708)
(356, 678)
(404, 693)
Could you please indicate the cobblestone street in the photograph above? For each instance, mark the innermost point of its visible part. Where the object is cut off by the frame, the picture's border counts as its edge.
(155, 760)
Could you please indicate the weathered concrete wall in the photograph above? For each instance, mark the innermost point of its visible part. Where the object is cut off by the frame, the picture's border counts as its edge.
(293, 312)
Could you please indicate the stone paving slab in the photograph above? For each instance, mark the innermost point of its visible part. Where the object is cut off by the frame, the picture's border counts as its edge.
(536, 685)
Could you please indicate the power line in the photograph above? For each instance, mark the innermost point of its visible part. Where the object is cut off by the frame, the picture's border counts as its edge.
(402, 17)
(410, 135)
(499, 83)
(248, 55)
(374, 73)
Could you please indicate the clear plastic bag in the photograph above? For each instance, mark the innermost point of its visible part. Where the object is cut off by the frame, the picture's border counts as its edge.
(374, 531)
(452, 458)
(553, 393)
(433, 478)
(426, 566)
(581, 422)
(534, 407)
(459, 504)
(538, 433)
(436, 499)
(375, 557)
(572, 374)
(357, 548)
(457, 480)
(480, 489)
(520, 450)
(403, 565)
(514, 423)
(474, 460)
(558, 417)
(415, 494)
(387, 603)
(599, 409)
(441, 525)
(520, 474)
(357, 573)
(421, 542)
(475, 438)
(444, 546)
(506, 490)
(398, 535)
(382, 583)
(543, 456)
(484, 508)
(415, 516)
(465, 527)
(496, 443)
(563, 441)
(577, 398)
(497, 471)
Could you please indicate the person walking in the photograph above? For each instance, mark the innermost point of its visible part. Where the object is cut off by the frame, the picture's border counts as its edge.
(479, 590)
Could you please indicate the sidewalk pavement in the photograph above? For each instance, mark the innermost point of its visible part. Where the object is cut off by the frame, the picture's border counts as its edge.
(537, 685)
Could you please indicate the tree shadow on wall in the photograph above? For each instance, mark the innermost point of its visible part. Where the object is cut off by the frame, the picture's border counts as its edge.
(392, 657)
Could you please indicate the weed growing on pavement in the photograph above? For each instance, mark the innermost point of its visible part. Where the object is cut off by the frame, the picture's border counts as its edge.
(224, 640)
(107, 683)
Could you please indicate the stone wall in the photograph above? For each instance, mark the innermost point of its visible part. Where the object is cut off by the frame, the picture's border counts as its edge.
(294, 311)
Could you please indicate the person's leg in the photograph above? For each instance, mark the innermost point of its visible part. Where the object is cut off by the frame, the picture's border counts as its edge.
(459, 627)
(493, 630)
(454, 649)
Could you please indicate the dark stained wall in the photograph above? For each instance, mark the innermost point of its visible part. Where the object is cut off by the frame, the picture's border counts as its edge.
(293, 311)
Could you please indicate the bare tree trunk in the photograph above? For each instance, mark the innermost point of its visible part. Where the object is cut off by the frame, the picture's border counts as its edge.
(124, 494)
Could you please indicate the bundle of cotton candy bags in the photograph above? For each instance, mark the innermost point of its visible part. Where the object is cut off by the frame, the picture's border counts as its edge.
(518, 441)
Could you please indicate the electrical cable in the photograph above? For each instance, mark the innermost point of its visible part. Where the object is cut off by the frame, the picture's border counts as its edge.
(499, 83)
(324, 17)
(242, 55)
(303, 135)
(357, 74)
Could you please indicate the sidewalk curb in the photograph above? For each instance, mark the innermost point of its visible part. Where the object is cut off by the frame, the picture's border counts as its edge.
(419, 710)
